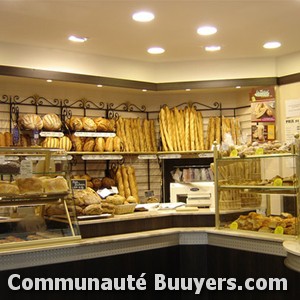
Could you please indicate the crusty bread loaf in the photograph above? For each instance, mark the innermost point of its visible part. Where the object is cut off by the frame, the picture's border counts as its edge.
(31, 185)
(75, 124)
(51, 122)
(99, 144)
(88, 124)
(31, 122)
(7, 188)
(103, 124)
(55, 185)
(77, 143)
(93, 209)
(89, 145)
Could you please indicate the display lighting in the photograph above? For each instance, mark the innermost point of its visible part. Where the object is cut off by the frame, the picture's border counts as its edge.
(143, 16)
(207, 30)
(272, 45)
(212, 48)
(77, 39)
(156, 50)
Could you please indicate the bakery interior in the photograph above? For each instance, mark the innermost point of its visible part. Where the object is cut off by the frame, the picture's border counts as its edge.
(111, 153)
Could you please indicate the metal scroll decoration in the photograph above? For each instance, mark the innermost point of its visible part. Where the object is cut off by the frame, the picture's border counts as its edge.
(199, 106)
(83, 104)
(112, 110)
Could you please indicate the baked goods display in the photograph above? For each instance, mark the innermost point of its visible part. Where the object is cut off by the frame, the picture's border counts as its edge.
(255, 148)
(55, 185)
(183, 130)
(285, 223)
(126, 182)
(89, 124)
(8, 189)
(30, 185)
(136, 135)
(121, 204)
(51, 122)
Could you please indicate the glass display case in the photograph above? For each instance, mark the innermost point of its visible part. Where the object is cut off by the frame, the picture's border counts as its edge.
(262, 190)
(34, 181)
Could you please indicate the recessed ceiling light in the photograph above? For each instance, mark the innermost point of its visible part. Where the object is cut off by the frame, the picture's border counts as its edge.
(272, 45)
(49, 80)
(156, 50)
(187, 90)
(99, 85)
(212, 48)
(144, 90)
(77, 39)
(238, 87)
(207, 30)
(143, 16)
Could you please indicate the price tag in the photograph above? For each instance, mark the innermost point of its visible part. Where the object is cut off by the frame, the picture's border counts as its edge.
(95, 134)
(102, 157)
(51, 134)
(205, 154)
(26, 168)
(259, 151)
(279, 230)
(277, 182)
(233, 153)
(146, 156)
(78, 184)
(234, 225)
(169, 156)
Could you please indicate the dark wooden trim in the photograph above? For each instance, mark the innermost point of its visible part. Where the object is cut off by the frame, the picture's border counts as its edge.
(293, 78)
(134, 84)
(78, 78)
(224, 83)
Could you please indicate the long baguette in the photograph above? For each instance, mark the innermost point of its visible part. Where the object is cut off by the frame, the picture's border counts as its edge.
(187, 129)
(153, 137)
(165, 129)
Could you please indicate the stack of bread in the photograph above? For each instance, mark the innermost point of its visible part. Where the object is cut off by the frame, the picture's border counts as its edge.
(91, 124)
(126, 183)
(137, 135)
(181, 129)
(257, 222)
(87, 202)
(121, 204)
(34, 186)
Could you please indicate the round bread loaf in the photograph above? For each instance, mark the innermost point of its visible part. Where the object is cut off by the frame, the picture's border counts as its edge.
(51, 122)
(75, 124)
(31, 122)
(88, 124)
(65, 143)
(102, 124)
(89, 145)
(51, 142)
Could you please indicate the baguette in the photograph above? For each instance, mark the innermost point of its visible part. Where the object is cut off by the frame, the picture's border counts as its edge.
(132, 183)
(120, 183)
(125, 182)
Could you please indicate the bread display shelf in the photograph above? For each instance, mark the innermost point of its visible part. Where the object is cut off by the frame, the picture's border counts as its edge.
(31, 199)
(275, 155)
(282, 190)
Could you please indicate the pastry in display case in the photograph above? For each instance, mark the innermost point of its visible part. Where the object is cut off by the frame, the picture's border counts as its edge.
(31, 180)
(262, 190)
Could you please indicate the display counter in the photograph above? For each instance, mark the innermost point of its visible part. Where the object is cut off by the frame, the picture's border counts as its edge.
(91, 248)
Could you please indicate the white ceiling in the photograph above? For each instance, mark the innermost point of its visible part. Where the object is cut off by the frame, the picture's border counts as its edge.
(243, 27)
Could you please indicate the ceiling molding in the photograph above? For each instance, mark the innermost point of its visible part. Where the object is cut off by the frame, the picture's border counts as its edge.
(133, 84)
